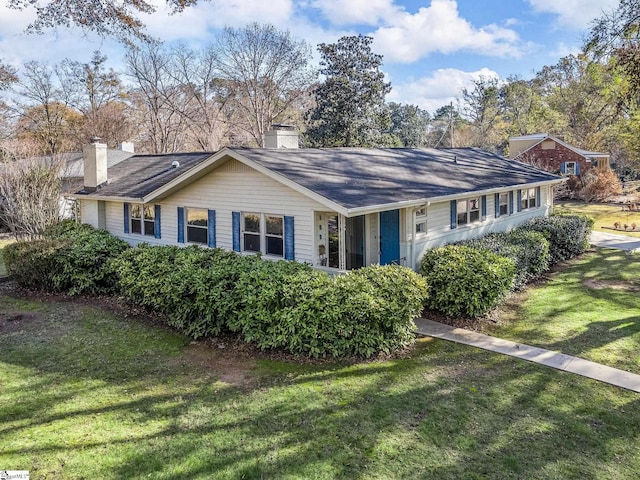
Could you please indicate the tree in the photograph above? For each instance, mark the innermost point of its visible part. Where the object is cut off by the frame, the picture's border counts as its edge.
(481, 106)
(615, 38)
(447, 128)
(29, 191)
(599, 185)
(263, 72)
(119, 19)
(350, 105)
(409, 124)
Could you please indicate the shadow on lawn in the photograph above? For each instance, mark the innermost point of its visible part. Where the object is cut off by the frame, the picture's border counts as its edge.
(449, 411)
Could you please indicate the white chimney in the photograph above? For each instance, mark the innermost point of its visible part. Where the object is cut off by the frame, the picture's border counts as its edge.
(281, 136)
(127, 147)
(95, 165)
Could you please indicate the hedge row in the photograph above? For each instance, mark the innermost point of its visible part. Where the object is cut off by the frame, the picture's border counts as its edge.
(471, 277)
(71, 258)
(284, 305)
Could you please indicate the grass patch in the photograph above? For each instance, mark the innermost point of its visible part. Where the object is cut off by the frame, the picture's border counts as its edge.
(590, 309)
(604, 215)
(90, 394)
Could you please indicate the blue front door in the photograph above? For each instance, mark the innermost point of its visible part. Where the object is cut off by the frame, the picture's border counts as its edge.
(390, 237)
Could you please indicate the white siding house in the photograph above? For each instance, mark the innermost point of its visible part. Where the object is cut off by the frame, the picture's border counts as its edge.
(337, 209)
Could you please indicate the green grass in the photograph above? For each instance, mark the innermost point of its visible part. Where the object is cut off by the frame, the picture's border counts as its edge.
(591, 310)
(90, 394)
(604, 214)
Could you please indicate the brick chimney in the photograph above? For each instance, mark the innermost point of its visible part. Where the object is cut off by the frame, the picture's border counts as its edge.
(95, 165)
(281, 136)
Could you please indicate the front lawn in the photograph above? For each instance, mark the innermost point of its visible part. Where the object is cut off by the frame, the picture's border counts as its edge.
(604, 215)
(590, 310)
(90, 394)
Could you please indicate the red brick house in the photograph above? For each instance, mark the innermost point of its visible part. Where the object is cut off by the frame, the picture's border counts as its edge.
(554, 155)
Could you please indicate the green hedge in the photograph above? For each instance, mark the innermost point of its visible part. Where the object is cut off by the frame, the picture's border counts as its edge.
(286, 305)
(305, 311)
(72, 258)
(466, 281)
(529, 251)
(568, 235)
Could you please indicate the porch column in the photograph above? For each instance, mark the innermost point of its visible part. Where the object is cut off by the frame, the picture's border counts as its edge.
(342, 229)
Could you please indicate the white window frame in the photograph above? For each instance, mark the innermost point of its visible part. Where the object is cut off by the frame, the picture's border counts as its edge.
(143, 219)
(568, 170)
(504, 204)
(262, 233)
(467, 211)
(205, 227)
(420, 227)
(528, 198)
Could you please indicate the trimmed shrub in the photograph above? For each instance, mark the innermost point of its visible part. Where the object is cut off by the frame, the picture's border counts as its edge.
(528, 250)
(35, 264)
(85, 264)
(72, 258)
(305, 311)
(193, 287)
(466, 281)
(286, 305)
(568, 235)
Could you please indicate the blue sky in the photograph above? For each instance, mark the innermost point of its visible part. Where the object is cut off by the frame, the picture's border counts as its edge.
(432, 48)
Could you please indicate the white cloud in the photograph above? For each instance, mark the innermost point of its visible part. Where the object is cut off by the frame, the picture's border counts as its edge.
(442, 87)
(357, 12)
(439, 28)
(576, 14)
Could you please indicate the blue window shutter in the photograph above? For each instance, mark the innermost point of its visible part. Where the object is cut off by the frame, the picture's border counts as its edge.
(180, 224)
(577, 168)
(510, 202)
(563, 167)
(126, 218)
(538, 197)
(211, 229)
(496, 198)
(156, 221)
(484, 207)
(519, 206)
(235, 217)
(289, 239)
(454, 214)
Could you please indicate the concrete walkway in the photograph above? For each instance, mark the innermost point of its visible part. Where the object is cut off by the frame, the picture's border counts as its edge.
(612, 240)
(567, 363)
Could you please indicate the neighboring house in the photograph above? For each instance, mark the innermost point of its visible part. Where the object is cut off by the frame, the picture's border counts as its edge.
(335, 208)
(554, 155)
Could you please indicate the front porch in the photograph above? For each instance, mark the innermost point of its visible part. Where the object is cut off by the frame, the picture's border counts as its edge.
(349, 243)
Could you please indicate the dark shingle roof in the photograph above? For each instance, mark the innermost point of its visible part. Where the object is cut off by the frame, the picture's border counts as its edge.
(139, 175)
(355, 177)
(351, 177)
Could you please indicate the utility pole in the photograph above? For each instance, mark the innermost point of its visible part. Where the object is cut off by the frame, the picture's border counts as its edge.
(451, 122)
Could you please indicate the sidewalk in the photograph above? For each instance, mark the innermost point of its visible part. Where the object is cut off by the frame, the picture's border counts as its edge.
(567, 363)
(612, 240)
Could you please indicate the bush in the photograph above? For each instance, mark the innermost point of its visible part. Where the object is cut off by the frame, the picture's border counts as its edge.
(85, 264)
(285, 305)
(304, 311)
(465, 281)
(193, 287)
(72, 258)
(35, 264)
(568, 235)
(600, 185)
(528, 250)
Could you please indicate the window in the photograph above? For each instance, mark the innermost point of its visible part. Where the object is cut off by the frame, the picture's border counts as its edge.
(251, 232)
(528, 198)
(468, 211)
(197, 225)
(142, 219)
(263, 233)
(421, 220)
(570, 168)
(504, 203)
(274, 236)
